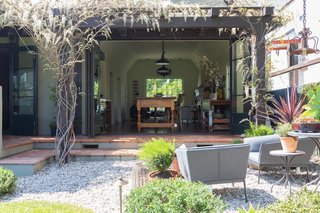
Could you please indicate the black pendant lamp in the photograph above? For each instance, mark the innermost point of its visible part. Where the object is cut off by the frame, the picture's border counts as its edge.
(162, 60)
(163, 70)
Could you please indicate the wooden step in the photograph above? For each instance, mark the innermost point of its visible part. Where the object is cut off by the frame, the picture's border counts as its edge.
(28, 162)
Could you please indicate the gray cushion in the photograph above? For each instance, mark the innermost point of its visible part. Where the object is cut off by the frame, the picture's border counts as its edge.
(254, 157)
(255, 142)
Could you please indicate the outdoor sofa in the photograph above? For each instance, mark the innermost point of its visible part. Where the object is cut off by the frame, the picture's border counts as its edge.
(214, 164)
(261, 146)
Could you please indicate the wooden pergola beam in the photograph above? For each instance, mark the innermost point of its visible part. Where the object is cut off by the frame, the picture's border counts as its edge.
(180, 22)
(296, 67)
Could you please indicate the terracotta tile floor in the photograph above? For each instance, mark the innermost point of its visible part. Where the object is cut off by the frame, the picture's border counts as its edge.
(13, 141)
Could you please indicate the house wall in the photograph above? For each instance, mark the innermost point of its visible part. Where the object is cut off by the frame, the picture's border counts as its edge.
(289, 31)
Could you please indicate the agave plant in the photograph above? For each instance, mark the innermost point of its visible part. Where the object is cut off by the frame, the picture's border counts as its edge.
(286, 110)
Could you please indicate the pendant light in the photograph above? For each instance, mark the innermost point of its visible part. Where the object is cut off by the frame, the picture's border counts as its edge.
(304, 37)
(162, 60)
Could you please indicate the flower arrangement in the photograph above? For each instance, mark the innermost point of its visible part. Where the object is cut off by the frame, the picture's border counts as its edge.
(211, 70)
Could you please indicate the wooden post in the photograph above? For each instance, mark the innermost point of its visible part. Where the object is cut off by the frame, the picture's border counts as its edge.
(139, 120)
(259, 75)
(1, 117)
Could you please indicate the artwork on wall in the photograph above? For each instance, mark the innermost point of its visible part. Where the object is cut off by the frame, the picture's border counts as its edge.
(135, 89)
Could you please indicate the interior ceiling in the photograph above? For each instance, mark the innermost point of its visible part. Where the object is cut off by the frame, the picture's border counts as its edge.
(153, 49)
(122, 55)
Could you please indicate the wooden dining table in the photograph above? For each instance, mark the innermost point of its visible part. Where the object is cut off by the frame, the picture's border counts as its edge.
(156, 102)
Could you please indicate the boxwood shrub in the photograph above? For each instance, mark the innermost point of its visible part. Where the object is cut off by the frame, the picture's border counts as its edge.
(7, 181)
(173, 195)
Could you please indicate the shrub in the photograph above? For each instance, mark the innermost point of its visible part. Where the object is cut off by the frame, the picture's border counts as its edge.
(313, 105)
(7, 181)
(41, 207)
(236, 141)
(289, 108)
(302, 201)
(157, 153)
(258, 130)
(173, 195)
(283, 129)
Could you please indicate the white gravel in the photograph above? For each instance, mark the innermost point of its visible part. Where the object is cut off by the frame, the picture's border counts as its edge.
(90, 185)
(85, 184)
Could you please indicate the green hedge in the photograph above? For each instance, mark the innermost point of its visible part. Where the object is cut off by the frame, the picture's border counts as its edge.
(41, 207)
(173, 195)
(7, 181)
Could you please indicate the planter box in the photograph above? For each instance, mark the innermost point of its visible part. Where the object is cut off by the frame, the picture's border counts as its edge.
(306, 127)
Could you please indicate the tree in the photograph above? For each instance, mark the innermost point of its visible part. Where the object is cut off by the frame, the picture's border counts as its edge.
(58, 29)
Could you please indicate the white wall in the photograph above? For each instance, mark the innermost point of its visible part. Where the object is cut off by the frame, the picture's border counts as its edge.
(280, 60)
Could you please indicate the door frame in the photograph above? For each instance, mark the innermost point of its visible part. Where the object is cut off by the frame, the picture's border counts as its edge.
(12, 51)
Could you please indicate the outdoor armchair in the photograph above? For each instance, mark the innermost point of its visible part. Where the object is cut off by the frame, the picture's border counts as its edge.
(214, 164)
(260, 147)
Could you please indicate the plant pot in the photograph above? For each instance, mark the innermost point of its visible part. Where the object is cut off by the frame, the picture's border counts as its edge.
(289, 144)
(175, 165)
(53, 131)
(165, 175)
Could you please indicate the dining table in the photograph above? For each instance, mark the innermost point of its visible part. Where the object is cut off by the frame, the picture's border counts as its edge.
(155, 102)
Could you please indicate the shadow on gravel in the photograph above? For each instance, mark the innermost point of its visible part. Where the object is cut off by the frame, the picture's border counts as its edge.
(234, 197)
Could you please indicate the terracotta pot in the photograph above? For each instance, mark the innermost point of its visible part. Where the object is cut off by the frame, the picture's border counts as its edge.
(289, 144)
(168, 174)
(175, 165)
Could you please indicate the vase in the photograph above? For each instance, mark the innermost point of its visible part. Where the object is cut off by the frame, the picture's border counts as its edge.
(220, 94)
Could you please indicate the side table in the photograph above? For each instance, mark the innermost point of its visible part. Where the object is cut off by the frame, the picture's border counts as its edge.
(287, 159)
(315, 137)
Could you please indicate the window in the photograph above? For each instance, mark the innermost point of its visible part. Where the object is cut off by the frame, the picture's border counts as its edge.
(166, 87)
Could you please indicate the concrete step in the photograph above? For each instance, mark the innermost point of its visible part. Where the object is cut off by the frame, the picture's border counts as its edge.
(28, 162)
(32, 161)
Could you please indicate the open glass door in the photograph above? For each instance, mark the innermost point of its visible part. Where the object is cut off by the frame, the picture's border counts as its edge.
(239, 63)
(23, 88)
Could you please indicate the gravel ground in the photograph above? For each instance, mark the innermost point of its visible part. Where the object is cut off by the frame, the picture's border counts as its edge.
(90, 185)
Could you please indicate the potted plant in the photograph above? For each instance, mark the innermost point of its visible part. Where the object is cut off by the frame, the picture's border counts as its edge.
(158, 154)
(53, 98)
(53, 127)
(288, 143)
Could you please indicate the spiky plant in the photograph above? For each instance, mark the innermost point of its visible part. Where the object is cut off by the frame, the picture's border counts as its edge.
(288, 108)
